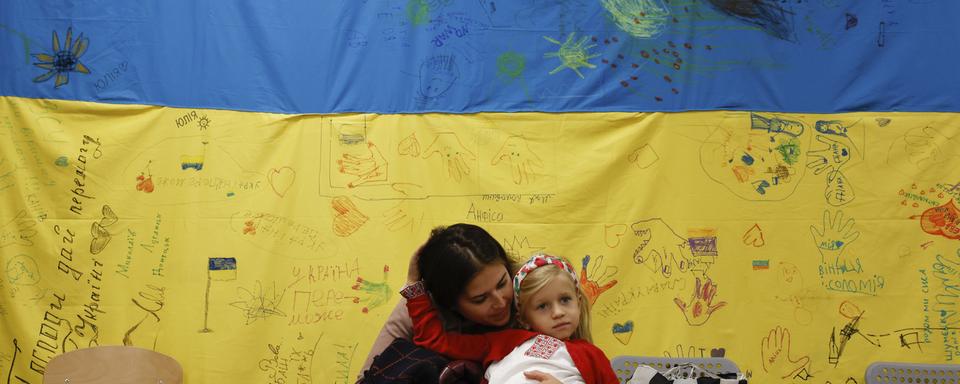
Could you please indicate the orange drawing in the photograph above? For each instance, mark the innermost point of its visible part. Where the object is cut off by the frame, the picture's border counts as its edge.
(145, 183)
(754, 236)
(943, 221)
(347, 219)
(590, 282)
(367, 167)
(776, 355)
(613, 234)
(701, 306)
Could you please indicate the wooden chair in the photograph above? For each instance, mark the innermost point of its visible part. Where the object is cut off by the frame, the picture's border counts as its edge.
(113, 364)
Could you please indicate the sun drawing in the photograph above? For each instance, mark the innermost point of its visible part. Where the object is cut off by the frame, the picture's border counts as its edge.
(64, 60)
(572, 54)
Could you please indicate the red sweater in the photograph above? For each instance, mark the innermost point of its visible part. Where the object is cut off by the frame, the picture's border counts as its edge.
(491, 347)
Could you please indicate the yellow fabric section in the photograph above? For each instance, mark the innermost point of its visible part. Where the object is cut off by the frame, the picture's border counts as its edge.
(801, 245)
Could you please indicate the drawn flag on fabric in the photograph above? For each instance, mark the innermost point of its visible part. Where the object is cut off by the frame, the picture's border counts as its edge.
(222, 268)
(761, 264)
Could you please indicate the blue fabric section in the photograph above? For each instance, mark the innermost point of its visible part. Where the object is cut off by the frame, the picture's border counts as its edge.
(488, 55)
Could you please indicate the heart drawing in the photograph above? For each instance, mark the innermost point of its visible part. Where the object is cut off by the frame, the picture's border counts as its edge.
(281, 179)
(623, 332)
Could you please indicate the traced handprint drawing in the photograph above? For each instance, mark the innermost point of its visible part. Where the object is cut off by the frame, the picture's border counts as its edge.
(701, 305)
(523, 161)
(7, 178)
(834, 236)
(929, 146)
(369, 167)
(457, 159)
(925, 153)
(590, 281)
(688, 352)
(776, 356)
(836, 149)
(19, 230)
(829, 158)
(377, 293)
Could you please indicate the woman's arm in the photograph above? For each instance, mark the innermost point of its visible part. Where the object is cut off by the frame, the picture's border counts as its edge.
(397, 326)
(428, 330)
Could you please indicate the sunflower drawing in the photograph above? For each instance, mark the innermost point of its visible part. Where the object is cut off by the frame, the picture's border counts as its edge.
(65, 59)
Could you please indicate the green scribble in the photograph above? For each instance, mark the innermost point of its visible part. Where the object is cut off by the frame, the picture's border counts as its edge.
(24, 38)
(511, 65)
(418, 11)
(640, 18)
(789, 149)
(572, 54)
(377, 293)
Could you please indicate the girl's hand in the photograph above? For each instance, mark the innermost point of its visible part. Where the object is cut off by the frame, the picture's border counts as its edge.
(413, 272)
(541, 377)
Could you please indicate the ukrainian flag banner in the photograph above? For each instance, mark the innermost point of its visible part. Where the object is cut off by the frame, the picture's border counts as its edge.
(222, 268)
(773, 182)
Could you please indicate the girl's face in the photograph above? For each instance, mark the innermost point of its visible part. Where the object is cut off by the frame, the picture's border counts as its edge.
(488, 296)
(554, 310)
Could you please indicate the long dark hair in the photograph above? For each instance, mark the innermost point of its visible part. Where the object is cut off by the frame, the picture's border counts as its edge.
(452, 256)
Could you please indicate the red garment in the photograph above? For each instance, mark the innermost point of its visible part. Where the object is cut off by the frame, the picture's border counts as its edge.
(493, 346)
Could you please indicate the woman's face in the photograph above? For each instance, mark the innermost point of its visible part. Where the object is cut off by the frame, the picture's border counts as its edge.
(488, 296)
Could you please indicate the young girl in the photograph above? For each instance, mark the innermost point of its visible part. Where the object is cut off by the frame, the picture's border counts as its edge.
(556, 342)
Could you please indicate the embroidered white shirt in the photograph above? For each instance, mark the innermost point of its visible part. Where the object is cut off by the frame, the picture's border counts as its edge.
(542, 353)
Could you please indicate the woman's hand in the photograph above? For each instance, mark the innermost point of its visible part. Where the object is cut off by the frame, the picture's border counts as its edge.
(541, 377)
(413, 272)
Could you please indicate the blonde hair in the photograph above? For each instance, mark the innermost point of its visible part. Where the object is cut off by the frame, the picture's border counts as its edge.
(537, 279)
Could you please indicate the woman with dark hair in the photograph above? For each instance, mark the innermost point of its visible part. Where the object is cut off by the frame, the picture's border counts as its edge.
(467, 272)
(468, 276)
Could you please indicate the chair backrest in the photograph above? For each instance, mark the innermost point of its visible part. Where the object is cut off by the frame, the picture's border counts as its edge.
(624, 366)
(909, 373)
(113, 364)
